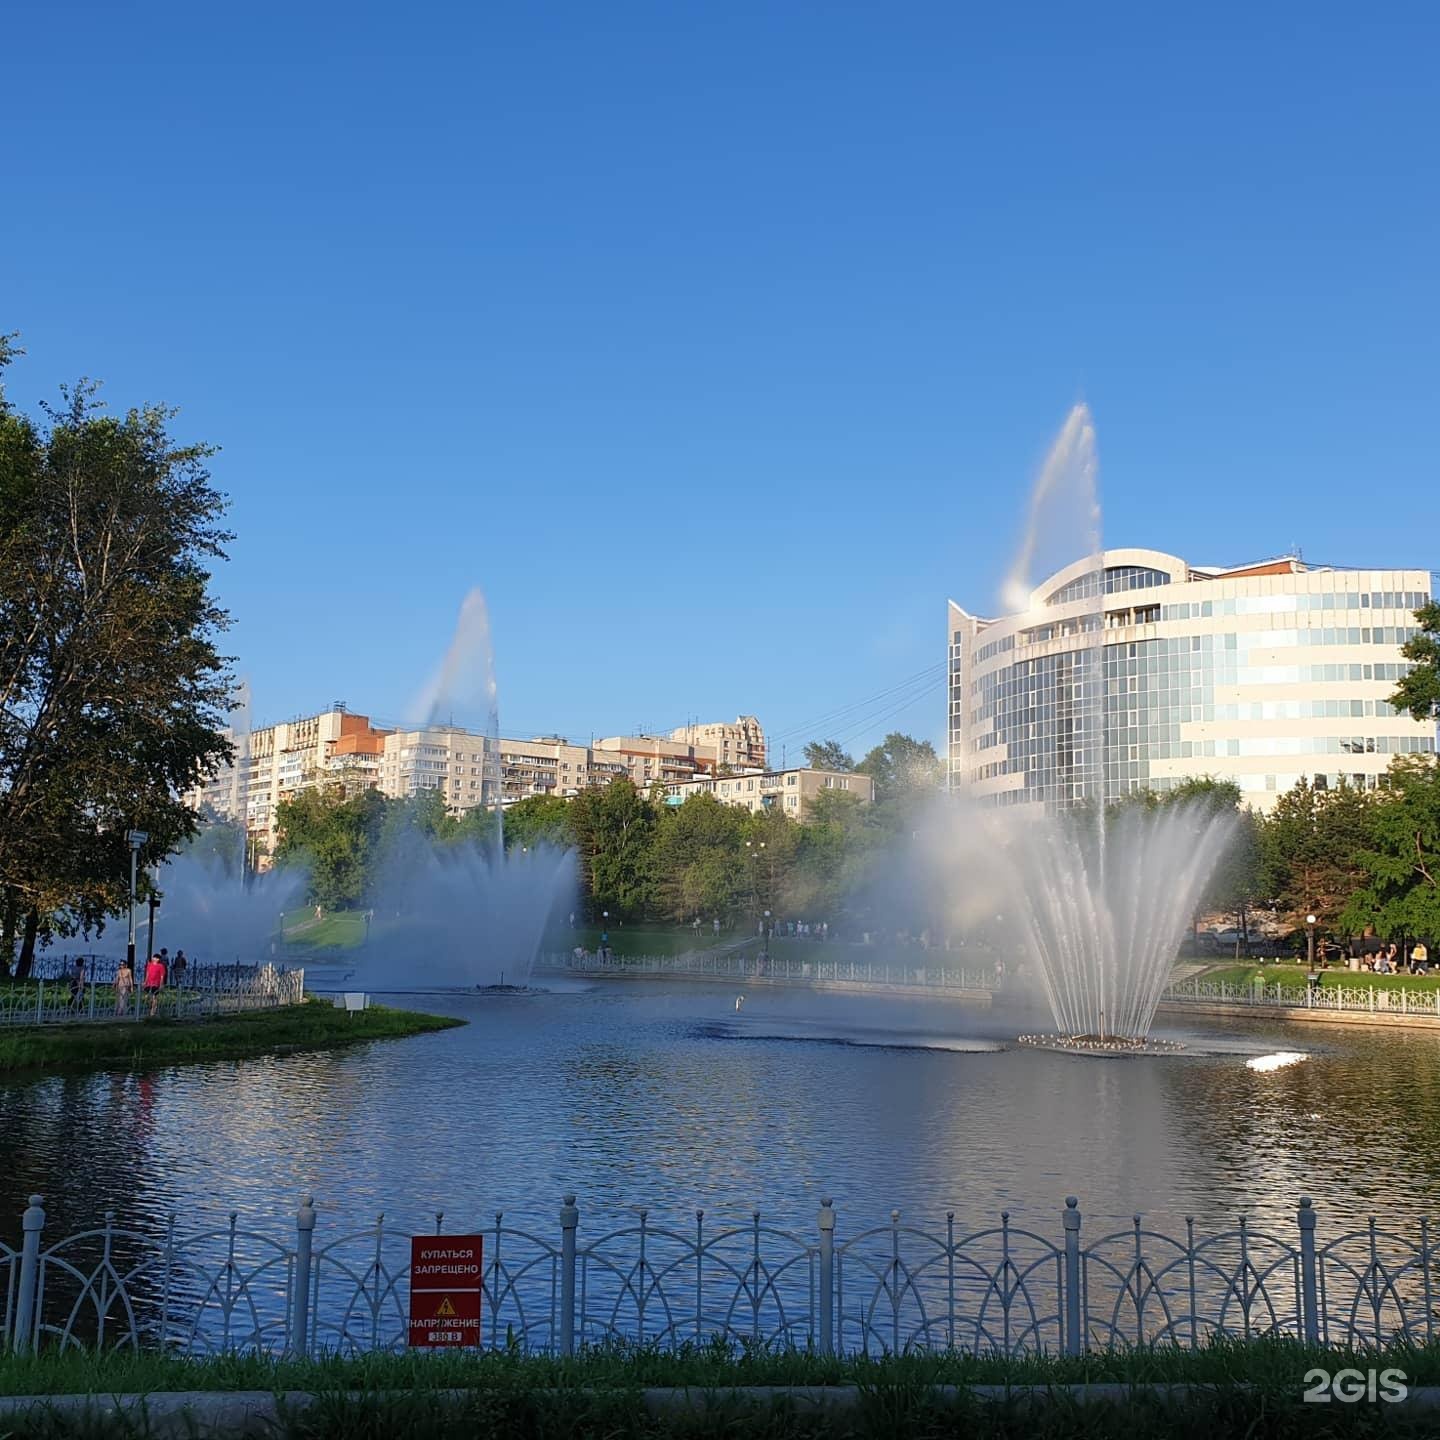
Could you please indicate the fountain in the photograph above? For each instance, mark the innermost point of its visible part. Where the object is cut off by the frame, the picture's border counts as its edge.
(1101, 893)
(465, 914)
(211, 906)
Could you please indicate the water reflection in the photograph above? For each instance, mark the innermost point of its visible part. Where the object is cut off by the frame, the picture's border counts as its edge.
(631, 1095)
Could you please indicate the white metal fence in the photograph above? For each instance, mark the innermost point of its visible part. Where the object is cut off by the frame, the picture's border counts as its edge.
(896, 1286)
(737, 965)
(57, 1002)
(825, 968)
(1388, 999)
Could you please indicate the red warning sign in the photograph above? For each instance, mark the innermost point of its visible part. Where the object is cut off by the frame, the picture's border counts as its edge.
(445, 1286)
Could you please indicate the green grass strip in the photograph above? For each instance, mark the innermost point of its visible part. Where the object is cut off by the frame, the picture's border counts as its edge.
(146, 1044)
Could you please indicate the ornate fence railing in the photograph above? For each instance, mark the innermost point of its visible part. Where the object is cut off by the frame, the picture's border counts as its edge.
(1389, 999)
(197, 976)
(733, 964)
(751, 965)
(57, 1002)
(893, 1287)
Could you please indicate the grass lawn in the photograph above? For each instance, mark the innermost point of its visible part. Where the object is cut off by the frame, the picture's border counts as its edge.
(1263, 1361)
(336, 930)
(144, 1044)
(1253, 1390)
(1245, 974)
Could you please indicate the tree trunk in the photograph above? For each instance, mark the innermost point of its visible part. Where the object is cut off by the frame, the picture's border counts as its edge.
(7, 927)
(27, 945)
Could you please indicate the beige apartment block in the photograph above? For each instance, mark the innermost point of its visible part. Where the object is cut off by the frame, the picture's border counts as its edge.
(649, 759)
(740, 746)
(445, 758)
(451, 760)
(277, 761)
(790, 792)
(551, 765)
(1261, 674)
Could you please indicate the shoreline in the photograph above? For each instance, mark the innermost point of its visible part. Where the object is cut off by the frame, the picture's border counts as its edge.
(31, 1051)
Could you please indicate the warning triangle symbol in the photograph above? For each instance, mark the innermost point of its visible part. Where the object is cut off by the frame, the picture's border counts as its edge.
(446, 1310)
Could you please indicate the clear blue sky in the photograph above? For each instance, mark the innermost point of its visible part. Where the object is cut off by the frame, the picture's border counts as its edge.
(719, 342)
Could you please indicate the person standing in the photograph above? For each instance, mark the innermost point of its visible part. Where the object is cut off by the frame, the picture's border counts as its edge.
(124, 987)
(154, 982)
(77, 983)
(1420, 958)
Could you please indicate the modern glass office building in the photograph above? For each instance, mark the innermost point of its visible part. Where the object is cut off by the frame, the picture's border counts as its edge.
(1137, 670)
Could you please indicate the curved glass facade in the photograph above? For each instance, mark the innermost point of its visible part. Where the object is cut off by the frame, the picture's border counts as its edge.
(1256, 677)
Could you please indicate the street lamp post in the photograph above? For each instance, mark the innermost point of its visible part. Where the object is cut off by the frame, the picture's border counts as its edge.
(135, 839)
(1310, 939)
(154, 905)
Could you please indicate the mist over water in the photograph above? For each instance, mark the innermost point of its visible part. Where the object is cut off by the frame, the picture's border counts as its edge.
(212, 909)
(471, 913)
(460, 915)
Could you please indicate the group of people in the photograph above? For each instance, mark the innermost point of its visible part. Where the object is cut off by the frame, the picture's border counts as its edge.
(1390, 960)
(160, 971)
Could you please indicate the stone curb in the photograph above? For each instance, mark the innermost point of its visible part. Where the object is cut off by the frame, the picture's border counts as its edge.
(260, 1412)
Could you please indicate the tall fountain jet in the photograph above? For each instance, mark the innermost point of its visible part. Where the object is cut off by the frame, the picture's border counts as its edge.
(466, 680)
(1102, 892)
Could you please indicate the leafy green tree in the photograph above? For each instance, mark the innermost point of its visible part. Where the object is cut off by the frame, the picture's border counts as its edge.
(828, 755)
(699, 862)
(112, 692)
(1418, 692)
(539, 820)
(903, 768)
(770, 856)
(614, 825)
(837, 850)
(336, 840)
(1400, 889)
(1310, 844)
(478, 826)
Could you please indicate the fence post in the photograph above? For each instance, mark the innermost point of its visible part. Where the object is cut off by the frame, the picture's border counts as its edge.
(32, 1224)
(39, 1002)
(300, 1299)
(1073, 1334)
(827, 1276)
(569, 1223)
(1309, 1302)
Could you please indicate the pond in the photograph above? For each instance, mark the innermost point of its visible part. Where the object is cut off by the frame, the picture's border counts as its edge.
(662, 1095)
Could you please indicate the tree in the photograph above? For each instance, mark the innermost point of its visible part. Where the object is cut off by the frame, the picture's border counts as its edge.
(902, 767)
(539, 820)
(1418, 692)
(836, 852)
(112, 693)
(1310, 843)
(338, 841)
(699, 862)
(828, 755)
(613, 826)
(1400, 891)
(1238, 883)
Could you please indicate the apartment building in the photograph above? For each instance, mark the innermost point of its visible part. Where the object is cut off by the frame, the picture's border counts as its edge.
(791, 792)
(740, 746)
(277, 761)
(551, 765)
(688, 752)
